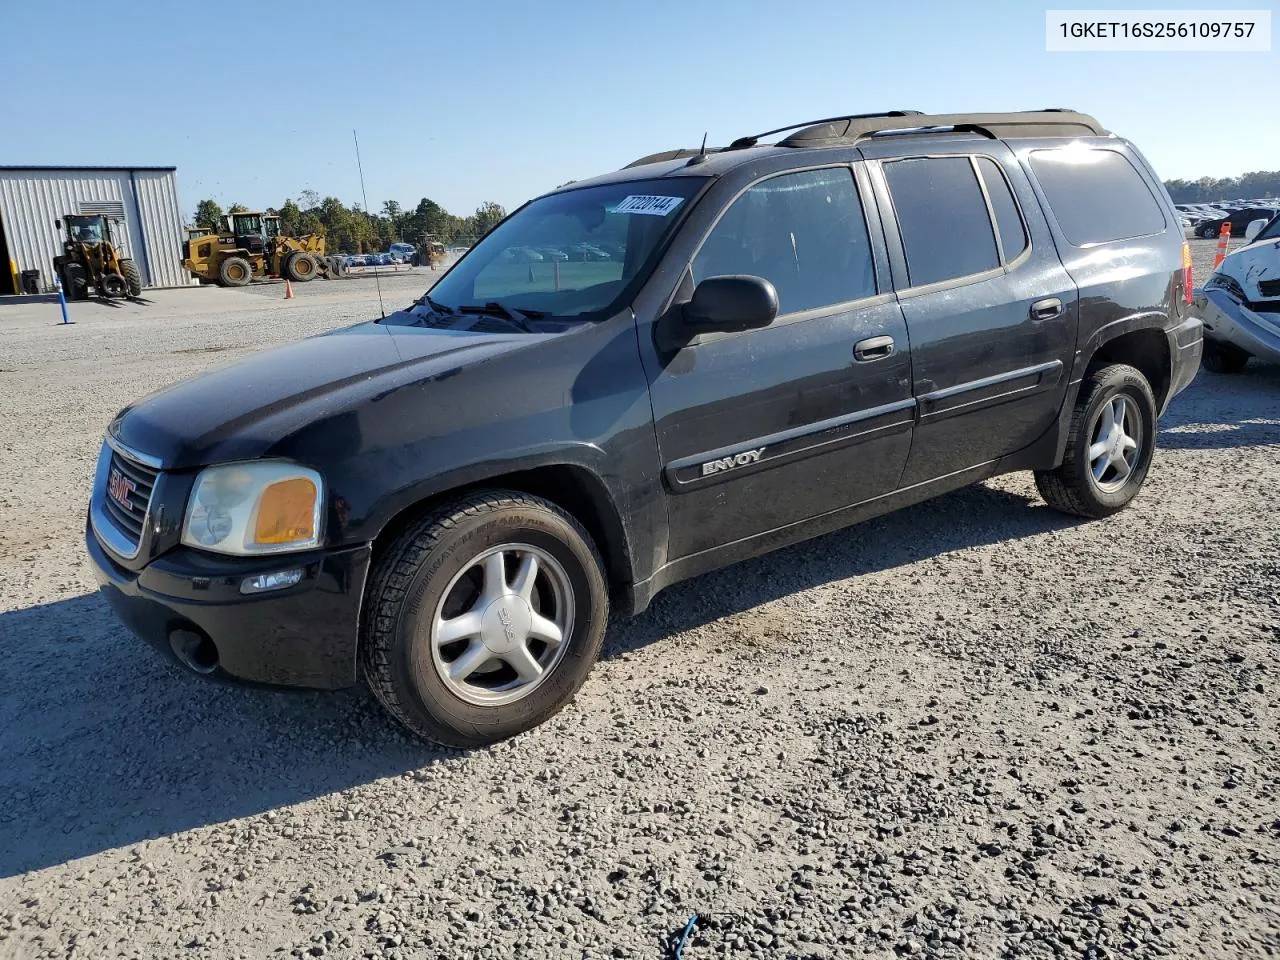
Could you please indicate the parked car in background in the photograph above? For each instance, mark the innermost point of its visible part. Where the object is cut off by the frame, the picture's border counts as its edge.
(1242, 304)
(402, 252)
(1239, 219)
(522, 254)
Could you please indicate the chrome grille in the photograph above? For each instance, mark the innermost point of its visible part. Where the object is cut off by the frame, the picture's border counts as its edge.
(127, 496)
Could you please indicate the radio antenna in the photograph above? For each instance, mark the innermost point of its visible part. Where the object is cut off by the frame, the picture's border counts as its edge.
(377, 279)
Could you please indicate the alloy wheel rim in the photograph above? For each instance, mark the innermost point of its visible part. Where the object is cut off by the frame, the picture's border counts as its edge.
(502, 625)
(1115, 443)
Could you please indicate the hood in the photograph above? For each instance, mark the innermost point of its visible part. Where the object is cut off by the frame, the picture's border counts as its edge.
(241, 411)
(1256, 268)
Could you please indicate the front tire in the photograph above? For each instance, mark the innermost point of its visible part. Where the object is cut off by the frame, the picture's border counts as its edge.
(1111, 442)
(301, 267)
(484, 618)
(1223, 357)
(132, 278)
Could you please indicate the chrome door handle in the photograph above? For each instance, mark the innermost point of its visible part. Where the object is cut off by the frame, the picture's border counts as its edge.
(1046, 309)
(873, 348)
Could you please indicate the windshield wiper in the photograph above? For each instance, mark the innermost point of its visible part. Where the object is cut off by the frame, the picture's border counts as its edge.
(440, 308)
(518, 318)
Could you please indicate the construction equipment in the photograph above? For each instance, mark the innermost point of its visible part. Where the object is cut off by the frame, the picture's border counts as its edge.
(252, 246)
(430, 253)
(90, 260)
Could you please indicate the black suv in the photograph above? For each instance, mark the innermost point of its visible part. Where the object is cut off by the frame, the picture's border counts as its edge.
(638, 378)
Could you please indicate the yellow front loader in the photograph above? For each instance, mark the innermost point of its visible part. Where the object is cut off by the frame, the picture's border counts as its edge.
(250, 247)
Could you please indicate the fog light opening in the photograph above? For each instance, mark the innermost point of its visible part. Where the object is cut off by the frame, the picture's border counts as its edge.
(264, 582)
(195, 650)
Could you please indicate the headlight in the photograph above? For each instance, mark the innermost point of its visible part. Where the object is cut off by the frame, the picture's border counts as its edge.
(254, 508)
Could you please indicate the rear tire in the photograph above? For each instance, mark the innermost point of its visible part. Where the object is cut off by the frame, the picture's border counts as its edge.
(1223, 357)
(132, 278)
(1075, 486)
(434, 576)
(301, 267)
(235, 272)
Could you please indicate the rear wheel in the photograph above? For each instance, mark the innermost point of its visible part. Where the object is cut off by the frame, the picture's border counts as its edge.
(1223, 357)
(132, 278)
(484, 619)
(235, 272)
(300, 267)
(1109, 448)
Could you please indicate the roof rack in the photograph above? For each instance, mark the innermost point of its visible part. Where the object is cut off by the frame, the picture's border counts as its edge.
(668, 155)
(848, 130)
(1053, 122)
(743, 142)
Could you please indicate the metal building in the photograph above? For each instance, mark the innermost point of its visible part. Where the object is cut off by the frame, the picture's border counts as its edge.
(142, 200)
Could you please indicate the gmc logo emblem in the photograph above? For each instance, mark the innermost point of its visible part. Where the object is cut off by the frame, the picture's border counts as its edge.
(118, 489)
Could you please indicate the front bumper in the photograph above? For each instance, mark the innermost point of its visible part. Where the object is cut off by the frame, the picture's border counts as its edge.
(1230, 321)
(302, 636)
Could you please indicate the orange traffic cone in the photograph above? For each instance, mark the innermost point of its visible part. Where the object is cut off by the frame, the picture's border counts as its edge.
(288, 289)
(1224, 237)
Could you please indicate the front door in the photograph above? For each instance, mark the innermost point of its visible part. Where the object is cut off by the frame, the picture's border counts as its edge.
(769, 427)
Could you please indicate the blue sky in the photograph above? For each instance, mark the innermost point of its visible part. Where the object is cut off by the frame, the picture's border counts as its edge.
(467, 101)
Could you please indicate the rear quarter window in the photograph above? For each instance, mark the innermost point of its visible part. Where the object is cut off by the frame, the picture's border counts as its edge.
(1096, 195)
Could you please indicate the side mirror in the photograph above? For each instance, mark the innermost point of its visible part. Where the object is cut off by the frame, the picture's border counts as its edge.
(57, 224)
(731, 304)
(1254, 228)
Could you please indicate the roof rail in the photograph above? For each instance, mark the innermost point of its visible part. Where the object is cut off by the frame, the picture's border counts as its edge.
(743, 142)
(1049, 122)
(1053, 122)
(668, 155)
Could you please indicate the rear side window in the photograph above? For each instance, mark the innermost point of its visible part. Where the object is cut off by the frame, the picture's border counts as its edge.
(803, 232)
(1096, 195)
(942, 216)
(1013, 235)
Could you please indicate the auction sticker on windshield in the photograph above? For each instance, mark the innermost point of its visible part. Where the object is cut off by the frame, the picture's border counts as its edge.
(654, 206)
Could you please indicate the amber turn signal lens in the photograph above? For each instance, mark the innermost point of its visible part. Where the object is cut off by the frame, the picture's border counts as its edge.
(286, 513)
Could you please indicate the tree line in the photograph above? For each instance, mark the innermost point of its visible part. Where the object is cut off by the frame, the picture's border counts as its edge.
(351, 229)
(1248, 186)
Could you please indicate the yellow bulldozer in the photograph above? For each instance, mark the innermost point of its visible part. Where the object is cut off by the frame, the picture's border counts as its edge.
(251, 246)
(90, 260)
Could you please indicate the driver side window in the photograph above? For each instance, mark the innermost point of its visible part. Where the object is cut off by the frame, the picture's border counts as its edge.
(803, 232)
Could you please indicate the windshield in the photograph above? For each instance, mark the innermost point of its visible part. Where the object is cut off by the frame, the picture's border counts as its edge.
(87, 231)
(569, 255)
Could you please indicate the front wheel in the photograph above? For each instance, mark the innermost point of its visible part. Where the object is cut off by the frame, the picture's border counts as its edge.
(132, 278)
(484, 619)
(300, 267)
(1111, 442)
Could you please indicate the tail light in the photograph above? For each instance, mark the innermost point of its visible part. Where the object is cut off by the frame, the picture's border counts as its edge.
(1186, 272)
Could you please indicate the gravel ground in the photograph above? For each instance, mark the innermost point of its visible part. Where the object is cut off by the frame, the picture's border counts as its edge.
(972, 728)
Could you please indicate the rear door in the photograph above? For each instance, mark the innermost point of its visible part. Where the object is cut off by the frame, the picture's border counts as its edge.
(765, 428)
(990, 310)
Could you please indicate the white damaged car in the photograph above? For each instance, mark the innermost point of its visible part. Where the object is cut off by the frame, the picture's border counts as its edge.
(1242, 303)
